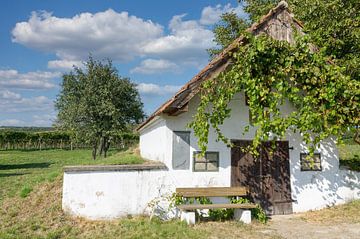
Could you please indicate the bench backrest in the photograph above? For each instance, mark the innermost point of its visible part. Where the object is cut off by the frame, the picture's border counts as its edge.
(212, 191)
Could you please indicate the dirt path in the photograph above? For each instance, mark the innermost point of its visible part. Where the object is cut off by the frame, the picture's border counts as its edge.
(293, 226)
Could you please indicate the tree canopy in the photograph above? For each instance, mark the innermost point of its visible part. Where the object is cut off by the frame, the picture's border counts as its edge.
(323, 85)
(95, 103)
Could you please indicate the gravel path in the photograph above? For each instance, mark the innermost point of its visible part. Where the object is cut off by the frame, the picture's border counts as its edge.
(293, 227)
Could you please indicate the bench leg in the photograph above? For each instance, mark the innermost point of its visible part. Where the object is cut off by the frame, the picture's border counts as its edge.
(243, 215)
(188, 216)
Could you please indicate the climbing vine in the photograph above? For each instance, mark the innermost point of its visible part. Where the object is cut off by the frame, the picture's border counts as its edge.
(270, 72)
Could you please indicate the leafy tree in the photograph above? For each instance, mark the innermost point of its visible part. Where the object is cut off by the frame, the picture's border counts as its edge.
(226, 30)
(96, 103)
(324, 85)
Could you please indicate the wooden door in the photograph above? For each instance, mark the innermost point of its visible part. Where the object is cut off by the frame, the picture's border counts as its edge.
(267, 176)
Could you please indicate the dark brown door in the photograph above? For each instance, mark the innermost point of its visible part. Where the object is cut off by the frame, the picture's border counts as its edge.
(267, 175)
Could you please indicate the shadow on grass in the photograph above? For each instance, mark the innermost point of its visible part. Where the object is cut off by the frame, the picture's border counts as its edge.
(3, 175)
(36, 149)
(24, 166)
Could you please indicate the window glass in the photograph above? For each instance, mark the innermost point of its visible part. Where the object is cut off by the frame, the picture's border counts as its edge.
(208, 163)
(309, 163)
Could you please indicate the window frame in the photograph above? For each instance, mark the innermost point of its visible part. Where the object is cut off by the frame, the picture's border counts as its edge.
(206, 161)
(303, 156)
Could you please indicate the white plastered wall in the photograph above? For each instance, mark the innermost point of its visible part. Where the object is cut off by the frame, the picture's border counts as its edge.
(113, 194)
(310, 189)
(153, 140)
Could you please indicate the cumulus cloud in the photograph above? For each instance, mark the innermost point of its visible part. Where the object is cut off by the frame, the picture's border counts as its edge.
(211, 15)
(9, 95)
(64, 65)
(154, 89)
(18, 104)
(36, 120)
(187, 41)
(12, 122)
(29, 80)
(43, 120)
(153, 66)
(104, 34)
(121, 37)
(114, 35)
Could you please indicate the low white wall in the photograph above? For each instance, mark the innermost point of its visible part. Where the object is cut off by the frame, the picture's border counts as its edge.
(102, 193)
(107, 192)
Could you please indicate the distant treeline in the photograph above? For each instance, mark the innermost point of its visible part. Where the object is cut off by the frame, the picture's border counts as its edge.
(27, 140)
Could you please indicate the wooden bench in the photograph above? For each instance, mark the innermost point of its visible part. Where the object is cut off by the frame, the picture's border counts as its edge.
(242, 211)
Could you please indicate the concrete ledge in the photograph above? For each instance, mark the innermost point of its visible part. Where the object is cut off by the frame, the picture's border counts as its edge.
(112, 168)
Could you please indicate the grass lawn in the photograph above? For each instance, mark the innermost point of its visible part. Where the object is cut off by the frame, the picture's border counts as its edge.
(30, 200)
(39, 215)
(20, 171)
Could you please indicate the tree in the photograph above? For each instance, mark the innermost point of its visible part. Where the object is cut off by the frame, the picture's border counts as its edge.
(324, 85)
(96, 103)
(226, 31)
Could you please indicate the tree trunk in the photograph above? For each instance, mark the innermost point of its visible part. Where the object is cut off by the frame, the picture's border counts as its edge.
(101, 146)
(95, 145)
(106, 146)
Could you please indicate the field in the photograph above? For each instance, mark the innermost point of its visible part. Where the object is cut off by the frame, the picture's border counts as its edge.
(20, 171)
(30, 198)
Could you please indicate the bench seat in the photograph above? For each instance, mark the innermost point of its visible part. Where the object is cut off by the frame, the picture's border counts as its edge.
(242, 211)
(212, 191)
(191, 207)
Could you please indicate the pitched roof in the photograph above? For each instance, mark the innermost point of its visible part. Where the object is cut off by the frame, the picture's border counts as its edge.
(274, 23)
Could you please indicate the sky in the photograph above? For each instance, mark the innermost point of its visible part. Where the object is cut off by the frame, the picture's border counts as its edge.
(159, 45)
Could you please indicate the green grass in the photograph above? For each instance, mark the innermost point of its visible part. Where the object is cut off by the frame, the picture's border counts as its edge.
(40, 216)
(350, 156)
(30, 200)
(31, 192)
(21, 171)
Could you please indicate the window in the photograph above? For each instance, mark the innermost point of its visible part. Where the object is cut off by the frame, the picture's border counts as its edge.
(209, 163)
(181, 150)
(310, 163)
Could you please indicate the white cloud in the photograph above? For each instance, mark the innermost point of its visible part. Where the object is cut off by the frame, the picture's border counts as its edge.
(12, 122)
(63, 65)
(211, 15)
(9, 95)
(36, 120)
(186, 42)
(29, 80)
(114, 35)
(19, 104)
(122, 37)
(43, 120)
(152, 66)
(104, 34)
(154, 89)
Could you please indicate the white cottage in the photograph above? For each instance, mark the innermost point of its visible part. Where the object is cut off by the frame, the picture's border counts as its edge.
(282, 183)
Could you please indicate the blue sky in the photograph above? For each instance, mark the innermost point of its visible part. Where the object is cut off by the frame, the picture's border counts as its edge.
(160, 45)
